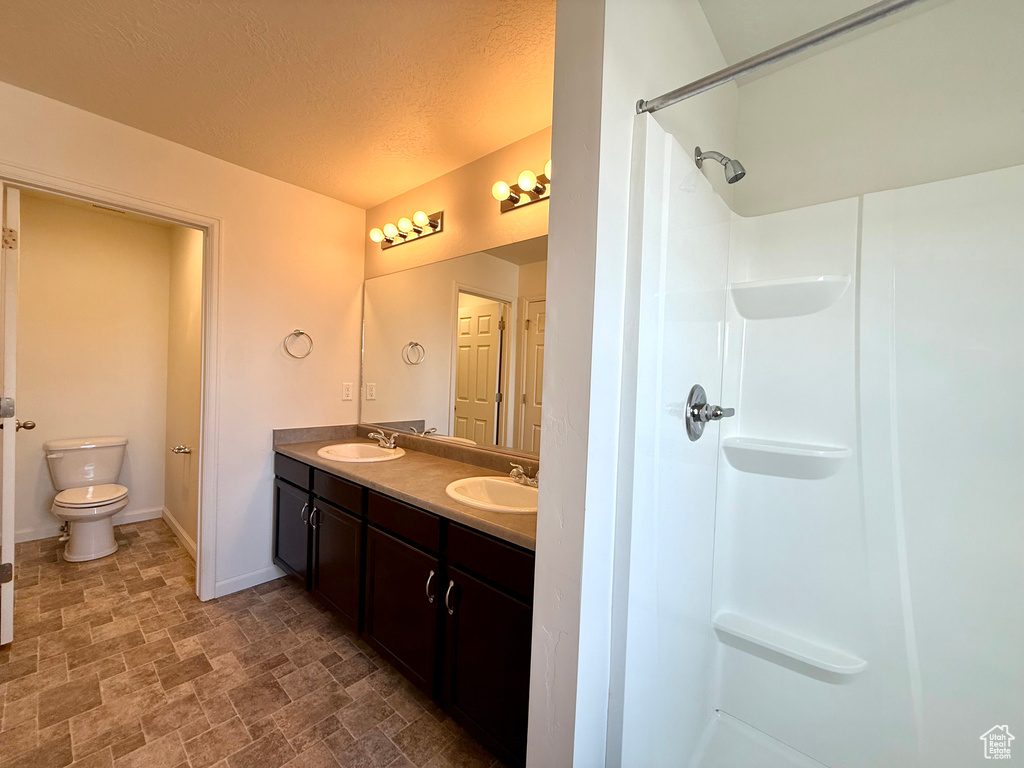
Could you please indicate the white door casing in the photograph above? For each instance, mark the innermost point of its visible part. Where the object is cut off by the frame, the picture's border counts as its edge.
(8, 317)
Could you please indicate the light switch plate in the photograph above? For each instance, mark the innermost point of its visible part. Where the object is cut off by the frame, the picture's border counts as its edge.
(371, 391)
(346, 390)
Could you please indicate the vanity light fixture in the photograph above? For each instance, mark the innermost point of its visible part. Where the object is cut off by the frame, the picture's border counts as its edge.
(407, 230)
(529, 188)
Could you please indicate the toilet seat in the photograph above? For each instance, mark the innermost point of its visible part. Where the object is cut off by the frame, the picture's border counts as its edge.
(89, 496)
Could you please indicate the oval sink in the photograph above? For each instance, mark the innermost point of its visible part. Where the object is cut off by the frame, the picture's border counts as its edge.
(359, 452)
(495, 494)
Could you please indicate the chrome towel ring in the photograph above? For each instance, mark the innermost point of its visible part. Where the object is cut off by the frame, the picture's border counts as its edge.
(298, 333)
(413, 353)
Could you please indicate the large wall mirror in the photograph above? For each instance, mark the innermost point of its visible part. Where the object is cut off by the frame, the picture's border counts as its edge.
(456, 348)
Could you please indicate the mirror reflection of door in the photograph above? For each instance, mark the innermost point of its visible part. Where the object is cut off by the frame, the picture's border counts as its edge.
(528, 422)
(479, 352)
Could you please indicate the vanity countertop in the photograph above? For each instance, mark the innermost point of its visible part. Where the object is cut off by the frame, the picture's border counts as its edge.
(420, 479)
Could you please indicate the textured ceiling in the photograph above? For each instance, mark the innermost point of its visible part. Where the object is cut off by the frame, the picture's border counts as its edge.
(357, 99)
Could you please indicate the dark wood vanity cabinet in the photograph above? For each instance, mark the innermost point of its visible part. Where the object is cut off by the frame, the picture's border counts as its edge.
(488, 627)
(448, 606)
(337, 571)
(293, 537)
(401, 605)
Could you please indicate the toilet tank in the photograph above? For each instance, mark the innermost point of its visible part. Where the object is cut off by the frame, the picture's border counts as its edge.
(85, 461)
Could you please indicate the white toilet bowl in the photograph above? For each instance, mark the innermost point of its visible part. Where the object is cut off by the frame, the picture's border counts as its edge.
(89, 512)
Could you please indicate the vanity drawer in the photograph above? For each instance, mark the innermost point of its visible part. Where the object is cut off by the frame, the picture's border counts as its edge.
(415, 525)
(505, 566)
(339, 492)
(293, 471)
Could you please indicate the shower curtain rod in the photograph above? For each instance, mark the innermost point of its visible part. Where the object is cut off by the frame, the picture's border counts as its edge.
(820, 35)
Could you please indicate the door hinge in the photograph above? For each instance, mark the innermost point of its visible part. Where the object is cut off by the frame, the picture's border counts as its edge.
(6, 572)
(527, 323)
(497, 397)
(501, 325)
(6, 407)
(10, 238)
(524, 398)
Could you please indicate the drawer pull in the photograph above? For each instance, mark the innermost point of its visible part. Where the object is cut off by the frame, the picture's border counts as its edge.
(447, 603)
(430, 597)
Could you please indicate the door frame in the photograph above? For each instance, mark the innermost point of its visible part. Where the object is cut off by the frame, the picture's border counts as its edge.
(521, 351)
(507, 360)
(211, 227)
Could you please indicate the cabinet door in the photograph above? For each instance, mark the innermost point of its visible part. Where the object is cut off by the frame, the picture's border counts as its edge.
(402, 587)
(487, 663)
(339, 551)
(292, 534)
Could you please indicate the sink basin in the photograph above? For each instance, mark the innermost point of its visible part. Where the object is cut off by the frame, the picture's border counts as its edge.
(495, 494)
(359, 452)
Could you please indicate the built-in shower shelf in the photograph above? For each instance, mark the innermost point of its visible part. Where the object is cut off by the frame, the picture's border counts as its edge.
(791, 297)
(734, 626)
(800, 461)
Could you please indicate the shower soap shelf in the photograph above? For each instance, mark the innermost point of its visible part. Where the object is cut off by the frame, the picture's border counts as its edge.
(795, 460)
(791, 297)
(733, 626)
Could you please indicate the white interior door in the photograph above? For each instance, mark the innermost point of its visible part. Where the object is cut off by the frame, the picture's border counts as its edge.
(533, 378)
(477, 354)
(8, 318)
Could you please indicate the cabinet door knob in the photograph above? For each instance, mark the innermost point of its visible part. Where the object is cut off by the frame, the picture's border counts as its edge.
(447, 595)
(430, 597)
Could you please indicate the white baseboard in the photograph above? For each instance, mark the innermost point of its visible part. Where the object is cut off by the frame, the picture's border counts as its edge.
(181, 533)
(53, 529)
(246, 580)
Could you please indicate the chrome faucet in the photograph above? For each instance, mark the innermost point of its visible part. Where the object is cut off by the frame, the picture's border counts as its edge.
(383, 440)
(424, 433)
(518, 475)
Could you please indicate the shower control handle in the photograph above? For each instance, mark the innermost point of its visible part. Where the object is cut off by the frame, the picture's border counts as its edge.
(699, 412)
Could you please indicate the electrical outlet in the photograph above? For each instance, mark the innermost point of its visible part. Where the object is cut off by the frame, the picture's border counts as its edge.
(371, 391)
(346, 390)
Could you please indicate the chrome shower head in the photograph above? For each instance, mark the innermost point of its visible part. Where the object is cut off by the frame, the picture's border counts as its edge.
(734, 170)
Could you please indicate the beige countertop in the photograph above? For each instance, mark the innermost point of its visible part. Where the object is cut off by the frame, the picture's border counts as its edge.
(420, 479)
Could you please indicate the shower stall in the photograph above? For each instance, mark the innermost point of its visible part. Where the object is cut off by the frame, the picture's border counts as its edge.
(834, 575)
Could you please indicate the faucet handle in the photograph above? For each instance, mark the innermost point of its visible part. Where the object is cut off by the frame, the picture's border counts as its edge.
(517, 468)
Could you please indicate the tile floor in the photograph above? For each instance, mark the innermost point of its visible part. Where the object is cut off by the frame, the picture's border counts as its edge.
(116, 663)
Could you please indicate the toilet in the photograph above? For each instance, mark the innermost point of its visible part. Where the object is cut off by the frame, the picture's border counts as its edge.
(84, 472)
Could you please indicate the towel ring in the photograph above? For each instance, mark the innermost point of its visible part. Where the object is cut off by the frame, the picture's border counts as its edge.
(413, 353)
(294, 334)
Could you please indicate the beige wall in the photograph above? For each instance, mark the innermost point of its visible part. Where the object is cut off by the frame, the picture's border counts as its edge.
(472, 219)
(184, 383)
(533, 279)
(289, 258)
(92, 349)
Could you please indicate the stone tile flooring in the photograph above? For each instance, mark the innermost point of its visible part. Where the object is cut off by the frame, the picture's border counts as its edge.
(116, 663)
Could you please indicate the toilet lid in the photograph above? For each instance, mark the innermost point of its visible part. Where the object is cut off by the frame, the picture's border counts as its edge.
(91, 495)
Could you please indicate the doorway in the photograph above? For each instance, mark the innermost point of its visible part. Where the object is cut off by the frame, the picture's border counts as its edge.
(109, 306)
(481, 368)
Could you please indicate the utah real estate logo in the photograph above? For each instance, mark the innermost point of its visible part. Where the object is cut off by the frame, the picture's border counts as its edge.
(997, 742)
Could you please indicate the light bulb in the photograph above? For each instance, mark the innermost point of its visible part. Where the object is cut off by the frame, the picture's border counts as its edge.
(420, 219)
(376, 235)
(405, 224)
(547, 169)
(390, 231)
(501, 191)
(527, 181)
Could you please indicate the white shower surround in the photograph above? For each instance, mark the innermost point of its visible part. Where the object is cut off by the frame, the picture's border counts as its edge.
(866, 617)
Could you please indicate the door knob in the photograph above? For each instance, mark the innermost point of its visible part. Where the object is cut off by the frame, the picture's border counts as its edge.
(699, 413)
(20, 425)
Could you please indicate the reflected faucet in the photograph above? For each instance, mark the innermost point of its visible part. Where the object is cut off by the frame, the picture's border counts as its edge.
(518, 475)
(424, 433)
(383, 440)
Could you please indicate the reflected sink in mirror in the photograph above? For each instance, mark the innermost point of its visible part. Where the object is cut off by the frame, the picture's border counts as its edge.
(495, 494)
(359, 452)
